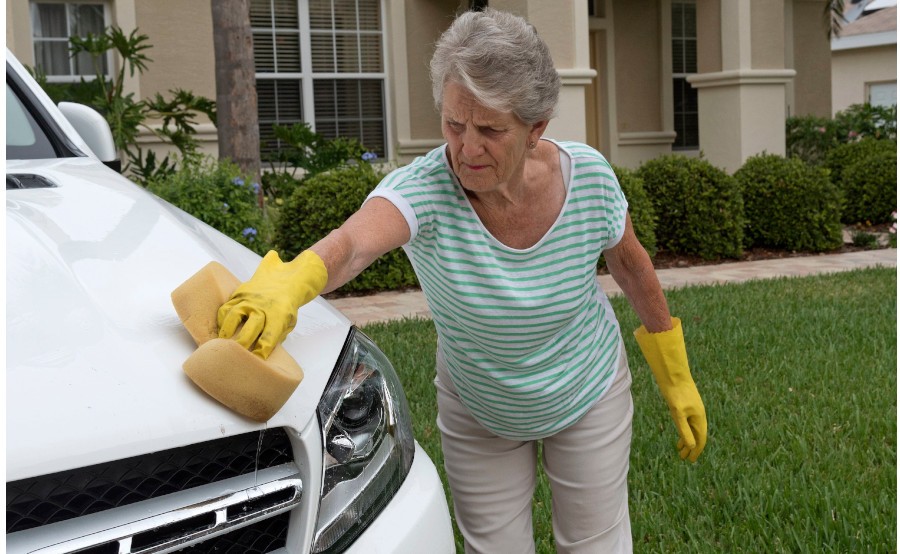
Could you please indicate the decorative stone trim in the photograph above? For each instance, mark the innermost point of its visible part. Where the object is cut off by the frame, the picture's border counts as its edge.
(742, 77)
(576, 76)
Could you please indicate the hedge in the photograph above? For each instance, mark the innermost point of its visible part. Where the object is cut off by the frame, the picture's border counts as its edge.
(789, 205)
(870, 188)
(699, 207)
(867, 190)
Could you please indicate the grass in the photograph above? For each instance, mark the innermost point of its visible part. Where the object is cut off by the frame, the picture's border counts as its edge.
(799, 381)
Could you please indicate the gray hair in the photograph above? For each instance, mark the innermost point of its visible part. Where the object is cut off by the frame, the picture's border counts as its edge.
(501, 60)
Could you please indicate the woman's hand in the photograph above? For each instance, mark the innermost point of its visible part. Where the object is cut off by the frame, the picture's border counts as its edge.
(667, 357)
(263, 310)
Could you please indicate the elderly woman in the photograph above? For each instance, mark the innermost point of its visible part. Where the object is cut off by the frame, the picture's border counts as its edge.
(504, 229)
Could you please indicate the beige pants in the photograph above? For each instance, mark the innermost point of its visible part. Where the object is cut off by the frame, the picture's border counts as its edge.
(492, 479)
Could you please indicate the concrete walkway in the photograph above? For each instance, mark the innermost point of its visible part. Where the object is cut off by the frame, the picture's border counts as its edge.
(394, 305)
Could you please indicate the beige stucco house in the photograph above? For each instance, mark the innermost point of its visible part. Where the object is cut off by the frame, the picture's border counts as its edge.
(640, 77)
(864, 56)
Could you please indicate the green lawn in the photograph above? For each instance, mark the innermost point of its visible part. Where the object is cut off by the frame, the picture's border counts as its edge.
(799, 381)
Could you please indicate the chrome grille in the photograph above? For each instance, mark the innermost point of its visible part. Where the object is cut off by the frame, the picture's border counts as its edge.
(264, 536)
(46, 499)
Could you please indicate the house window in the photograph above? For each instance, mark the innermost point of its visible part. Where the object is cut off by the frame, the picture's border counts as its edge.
(320, 62)
(52, 24)
(882, 94)
(684, 63)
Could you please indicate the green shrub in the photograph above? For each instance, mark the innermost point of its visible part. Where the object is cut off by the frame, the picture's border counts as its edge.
(860, 202)
(789, 204)
(870, 188)
(699, 207)
(848, 154)
(279, 185)
(216, 193)
(322, 203)
(643, 216)
(299, 147)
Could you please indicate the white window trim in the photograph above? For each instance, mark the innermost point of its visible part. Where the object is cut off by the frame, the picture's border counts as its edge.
(32, 7)
(307, 76)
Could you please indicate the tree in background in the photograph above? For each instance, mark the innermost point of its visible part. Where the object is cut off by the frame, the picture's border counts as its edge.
(834, 17)
(238, 126)
(171, 120)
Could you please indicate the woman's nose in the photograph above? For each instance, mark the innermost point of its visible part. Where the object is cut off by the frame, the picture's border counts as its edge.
(472, 144)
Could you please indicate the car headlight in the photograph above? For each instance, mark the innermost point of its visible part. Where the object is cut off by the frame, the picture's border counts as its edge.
(368, 443)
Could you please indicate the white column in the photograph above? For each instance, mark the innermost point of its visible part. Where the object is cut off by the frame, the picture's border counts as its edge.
(742, 109)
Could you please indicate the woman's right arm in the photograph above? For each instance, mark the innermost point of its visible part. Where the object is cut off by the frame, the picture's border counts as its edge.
(263, 310)
(375, 229)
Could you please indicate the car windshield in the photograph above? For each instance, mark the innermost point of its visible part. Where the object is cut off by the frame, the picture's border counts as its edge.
(25, 140)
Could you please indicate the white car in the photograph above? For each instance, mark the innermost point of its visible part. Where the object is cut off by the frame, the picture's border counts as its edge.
(110, 447)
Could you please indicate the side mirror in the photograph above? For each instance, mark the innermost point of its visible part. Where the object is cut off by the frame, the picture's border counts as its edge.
(95, 131)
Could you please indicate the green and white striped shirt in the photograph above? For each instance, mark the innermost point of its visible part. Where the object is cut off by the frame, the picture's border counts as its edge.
(530, 340)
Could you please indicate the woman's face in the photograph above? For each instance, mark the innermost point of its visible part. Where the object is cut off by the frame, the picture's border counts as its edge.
(487, 147)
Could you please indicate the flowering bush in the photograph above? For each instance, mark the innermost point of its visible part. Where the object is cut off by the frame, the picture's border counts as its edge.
(216, 193)
(811, 138)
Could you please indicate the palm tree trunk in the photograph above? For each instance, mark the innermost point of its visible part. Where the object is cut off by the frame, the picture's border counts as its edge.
(237, 116)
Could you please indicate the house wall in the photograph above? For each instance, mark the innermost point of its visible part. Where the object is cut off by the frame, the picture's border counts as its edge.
(183, 58)
(853, 69)
(414, 28)
(810, 57)
(18, 31)
(767, 50)
(709, 36)
(182, 37)
(638, 65)
(642, 122)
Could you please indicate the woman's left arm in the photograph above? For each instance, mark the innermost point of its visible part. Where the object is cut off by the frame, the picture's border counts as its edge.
(661, 341)
(631, 268)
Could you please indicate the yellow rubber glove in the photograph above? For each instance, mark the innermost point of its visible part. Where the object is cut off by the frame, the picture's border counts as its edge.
(667, 357)
(267, 304)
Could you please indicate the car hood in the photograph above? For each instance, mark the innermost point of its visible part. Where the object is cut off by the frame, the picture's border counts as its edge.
(94, 346)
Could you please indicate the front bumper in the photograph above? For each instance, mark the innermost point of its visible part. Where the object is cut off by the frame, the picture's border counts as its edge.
(416, 520)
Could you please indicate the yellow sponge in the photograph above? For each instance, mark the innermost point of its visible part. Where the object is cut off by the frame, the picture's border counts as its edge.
(239, 379)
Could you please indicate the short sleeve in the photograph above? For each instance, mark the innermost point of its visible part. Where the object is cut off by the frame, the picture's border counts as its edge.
(619, 207)
(402, 204)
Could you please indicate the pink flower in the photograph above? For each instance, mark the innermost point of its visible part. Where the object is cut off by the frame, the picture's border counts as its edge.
(821, 129)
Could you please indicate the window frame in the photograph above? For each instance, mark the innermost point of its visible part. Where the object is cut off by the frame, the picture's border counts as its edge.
(683, 76)
(868, 91)
(73, 77)
(307, 76)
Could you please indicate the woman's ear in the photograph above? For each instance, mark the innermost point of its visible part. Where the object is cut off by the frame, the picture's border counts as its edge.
(537, 130)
